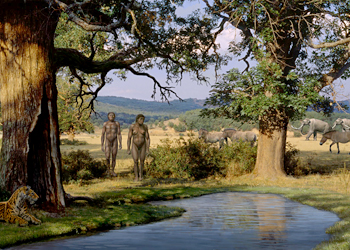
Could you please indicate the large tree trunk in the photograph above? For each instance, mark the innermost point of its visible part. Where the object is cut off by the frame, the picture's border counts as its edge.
(271, 146)
(30, 152)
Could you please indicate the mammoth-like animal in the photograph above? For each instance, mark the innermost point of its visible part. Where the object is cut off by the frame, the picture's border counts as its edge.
(315, 126)
(345, 123)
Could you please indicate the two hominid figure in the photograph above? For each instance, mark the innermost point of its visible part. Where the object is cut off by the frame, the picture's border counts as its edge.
(138, 139)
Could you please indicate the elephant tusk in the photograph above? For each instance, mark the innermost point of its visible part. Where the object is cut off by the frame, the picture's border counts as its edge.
(296, 128)
(334, 126)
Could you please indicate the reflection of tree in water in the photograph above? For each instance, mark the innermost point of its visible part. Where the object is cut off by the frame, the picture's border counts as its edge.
(268, 214)
(272, 219)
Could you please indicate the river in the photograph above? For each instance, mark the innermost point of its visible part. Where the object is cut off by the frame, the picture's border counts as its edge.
(233, 220)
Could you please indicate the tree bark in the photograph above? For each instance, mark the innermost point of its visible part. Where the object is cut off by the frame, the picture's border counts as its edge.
(271, 146)
(30, 153)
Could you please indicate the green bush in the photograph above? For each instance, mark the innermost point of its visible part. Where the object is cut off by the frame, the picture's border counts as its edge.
(292, 164)
(79, 165)
(241, 157)
(194, 159)
(180, 128)
(74, 142)
(297, 134)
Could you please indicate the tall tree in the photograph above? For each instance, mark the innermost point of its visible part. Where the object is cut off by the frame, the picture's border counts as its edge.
(138, 32)
(279, 35)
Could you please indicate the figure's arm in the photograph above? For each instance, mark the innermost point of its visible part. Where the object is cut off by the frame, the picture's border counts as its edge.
(103, 137)
(128, 142)
(148, 140)
(119, 135)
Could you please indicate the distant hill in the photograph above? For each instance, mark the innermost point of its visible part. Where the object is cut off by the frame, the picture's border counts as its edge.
(126, 109)
(175, 107)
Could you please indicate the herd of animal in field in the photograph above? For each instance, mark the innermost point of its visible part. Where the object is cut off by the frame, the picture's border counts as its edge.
(221, 137)
(315, 126)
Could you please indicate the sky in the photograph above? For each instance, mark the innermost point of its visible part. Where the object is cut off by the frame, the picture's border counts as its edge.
(141, 87)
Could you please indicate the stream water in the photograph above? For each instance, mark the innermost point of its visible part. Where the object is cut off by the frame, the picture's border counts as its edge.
(233, 220)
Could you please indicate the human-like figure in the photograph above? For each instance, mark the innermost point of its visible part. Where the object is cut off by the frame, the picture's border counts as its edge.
(138, 132)
(111, 134)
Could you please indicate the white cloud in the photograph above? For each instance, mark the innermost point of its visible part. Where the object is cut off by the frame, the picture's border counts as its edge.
(229, 34)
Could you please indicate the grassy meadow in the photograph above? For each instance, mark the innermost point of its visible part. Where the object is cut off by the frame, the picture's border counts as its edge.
(121, 202)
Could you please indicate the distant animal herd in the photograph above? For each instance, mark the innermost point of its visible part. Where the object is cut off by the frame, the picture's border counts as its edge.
(222, 136)
(315, 126)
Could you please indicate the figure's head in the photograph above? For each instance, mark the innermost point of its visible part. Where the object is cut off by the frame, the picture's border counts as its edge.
(140, 118)
(111, 116)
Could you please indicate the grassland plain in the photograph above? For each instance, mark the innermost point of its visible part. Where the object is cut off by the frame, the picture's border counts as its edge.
(121, 202)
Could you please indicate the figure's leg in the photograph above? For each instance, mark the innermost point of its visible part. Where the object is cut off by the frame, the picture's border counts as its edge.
(134, 153)
(330, 147)
(315, 136)
(142, 156)
(108, 153)
(114, 156)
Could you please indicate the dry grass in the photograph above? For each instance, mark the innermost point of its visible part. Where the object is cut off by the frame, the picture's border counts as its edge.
(329, 167)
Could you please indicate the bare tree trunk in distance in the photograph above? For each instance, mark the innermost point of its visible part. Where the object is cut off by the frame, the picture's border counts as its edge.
(271, 146)
(30, 153)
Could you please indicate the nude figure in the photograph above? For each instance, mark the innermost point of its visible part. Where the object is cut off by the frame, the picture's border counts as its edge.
(140, 145)
(109, 141)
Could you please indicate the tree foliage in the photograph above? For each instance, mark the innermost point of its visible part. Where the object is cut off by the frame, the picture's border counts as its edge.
(132, 36)
(72, 116)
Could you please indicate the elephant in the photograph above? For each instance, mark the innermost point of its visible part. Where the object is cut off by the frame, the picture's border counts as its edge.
(315, 126)
(345, 123)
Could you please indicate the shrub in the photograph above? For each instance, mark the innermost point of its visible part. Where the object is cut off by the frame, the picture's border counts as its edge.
(180, 128)
(79, 165)
(297, 134)
(72, 142)
(241, 157)
(194, 159)
(292, 164)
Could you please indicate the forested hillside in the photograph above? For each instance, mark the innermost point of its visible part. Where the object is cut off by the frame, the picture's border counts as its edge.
(174, 107)
(126, 109)
(187, 111)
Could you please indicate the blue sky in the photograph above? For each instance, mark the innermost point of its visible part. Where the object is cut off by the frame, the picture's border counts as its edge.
(141, 87)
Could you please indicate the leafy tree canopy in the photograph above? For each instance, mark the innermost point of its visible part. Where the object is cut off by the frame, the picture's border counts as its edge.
(291, 69)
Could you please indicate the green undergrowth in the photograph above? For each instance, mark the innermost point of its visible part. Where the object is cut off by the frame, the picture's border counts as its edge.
(127, 207)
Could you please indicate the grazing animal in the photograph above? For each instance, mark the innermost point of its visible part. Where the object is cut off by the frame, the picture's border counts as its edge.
(336, 137)
(246, 136)
(15, 209)
(212, 137)
(315, 126)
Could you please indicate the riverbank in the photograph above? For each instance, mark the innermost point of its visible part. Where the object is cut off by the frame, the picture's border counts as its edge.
(121, 202)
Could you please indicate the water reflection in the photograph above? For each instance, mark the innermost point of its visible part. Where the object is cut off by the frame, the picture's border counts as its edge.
(218, 221)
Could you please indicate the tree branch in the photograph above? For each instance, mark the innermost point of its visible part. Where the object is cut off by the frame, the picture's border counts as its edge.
(164, 91)
(328, 45)
(86, 26)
